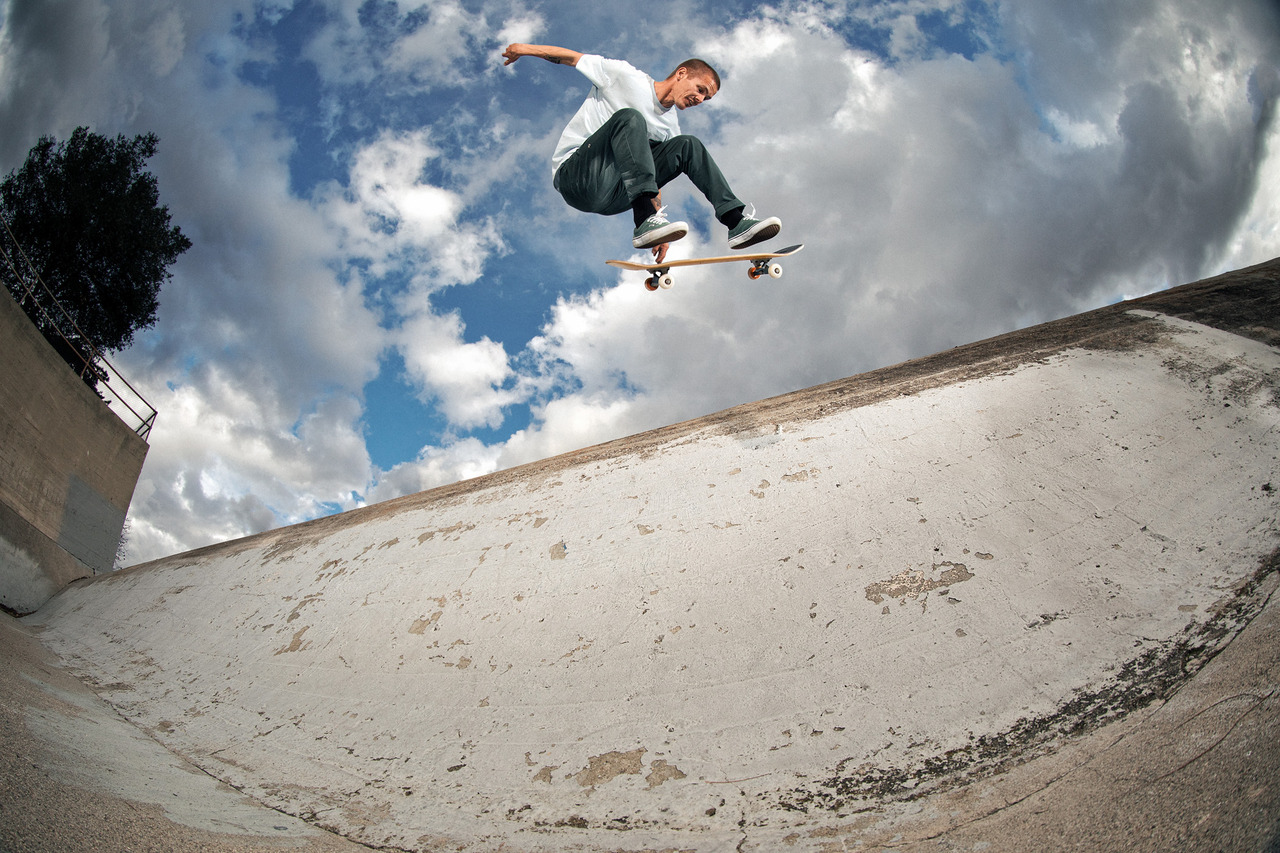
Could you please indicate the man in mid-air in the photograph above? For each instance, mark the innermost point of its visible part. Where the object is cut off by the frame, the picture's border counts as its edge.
(624, 144)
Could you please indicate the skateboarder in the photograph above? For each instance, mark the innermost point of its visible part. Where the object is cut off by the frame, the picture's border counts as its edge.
(624, 144)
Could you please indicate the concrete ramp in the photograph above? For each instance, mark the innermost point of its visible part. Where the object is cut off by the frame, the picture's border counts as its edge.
(876, 612)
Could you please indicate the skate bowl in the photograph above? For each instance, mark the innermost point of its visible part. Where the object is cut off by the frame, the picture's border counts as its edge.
(1012, 595)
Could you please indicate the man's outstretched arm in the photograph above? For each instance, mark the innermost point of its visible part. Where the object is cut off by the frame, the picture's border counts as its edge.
(558, 55)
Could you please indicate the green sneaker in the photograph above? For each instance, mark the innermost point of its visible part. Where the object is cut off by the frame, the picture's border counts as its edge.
(750, 230)
(656, 230)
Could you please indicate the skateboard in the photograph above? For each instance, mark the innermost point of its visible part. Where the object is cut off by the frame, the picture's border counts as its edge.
(762, 264)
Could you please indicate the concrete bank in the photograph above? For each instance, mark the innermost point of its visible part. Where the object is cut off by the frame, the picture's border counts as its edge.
(964, 600)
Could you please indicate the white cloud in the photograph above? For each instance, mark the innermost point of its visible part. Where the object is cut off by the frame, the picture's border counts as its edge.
(466, 379)
(229, 457)
(1079, 133)
(416, 45)
(570, 423)
(522, 27)
(390, 215)
(437, 466)
(435, 47)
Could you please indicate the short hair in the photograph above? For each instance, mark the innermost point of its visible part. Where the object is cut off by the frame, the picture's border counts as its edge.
(697, 68)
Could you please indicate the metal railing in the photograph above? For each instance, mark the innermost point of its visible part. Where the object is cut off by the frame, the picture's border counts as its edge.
(95, 369)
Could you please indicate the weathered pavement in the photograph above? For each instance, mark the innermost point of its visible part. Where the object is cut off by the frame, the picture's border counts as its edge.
(1018, 594)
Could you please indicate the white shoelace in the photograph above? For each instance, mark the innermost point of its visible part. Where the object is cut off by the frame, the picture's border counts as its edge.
(660, 217)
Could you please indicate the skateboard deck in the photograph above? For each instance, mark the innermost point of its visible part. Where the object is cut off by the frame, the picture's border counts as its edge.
(762, 264)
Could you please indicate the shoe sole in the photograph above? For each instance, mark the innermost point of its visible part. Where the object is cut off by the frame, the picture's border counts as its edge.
(658, 236)
(767, 233)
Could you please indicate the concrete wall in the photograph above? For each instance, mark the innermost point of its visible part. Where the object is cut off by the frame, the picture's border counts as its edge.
(68, 467)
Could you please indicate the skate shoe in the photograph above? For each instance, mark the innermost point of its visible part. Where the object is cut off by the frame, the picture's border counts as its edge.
(656, 230)
(750, 230)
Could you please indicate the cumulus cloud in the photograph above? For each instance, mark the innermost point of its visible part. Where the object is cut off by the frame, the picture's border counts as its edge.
(465, 379)
(521, 27)
(437, 466)
(229, 456)
(415, 44)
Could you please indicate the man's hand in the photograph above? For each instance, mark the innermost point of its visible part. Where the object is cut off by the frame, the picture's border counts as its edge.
(558, 55)
(660, 252)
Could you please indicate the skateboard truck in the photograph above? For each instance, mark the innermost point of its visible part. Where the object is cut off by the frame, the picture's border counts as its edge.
(762, 268)
(660, 279)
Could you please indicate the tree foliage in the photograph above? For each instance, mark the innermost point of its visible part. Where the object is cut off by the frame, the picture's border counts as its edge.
(87, 215)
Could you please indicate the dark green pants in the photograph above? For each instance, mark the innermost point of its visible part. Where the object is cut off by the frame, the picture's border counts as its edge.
(618, 163)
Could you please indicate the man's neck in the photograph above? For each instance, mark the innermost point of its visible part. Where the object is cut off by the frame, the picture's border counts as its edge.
(662, 89)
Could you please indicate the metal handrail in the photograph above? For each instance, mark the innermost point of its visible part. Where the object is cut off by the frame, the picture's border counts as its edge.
(104, 371)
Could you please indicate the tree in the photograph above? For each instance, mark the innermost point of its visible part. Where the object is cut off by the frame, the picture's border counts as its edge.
(88, 217)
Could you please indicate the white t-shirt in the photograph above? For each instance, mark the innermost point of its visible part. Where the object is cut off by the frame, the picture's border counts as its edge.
(617, 85)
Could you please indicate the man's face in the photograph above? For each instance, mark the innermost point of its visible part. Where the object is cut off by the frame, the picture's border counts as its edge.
(690, 90)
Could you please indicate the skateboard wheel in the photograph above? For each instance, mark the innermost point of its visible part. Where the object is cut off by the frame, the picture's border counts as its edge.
(650, 284)
(665, 282)
(754, 273)
(775, 270)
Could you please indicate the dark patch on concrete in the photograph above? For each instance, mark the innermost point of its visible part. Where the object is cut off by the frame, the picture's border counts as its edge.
(1245, 302)
(1153, 676)
(605, 768)
(912, 583)
(1045, 619)
(91, 526)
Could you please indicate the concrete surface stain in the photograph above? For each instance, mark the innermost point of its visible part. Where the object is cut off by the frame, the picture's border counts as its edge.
(912, 583)
(609, 766)
(420, 626)
(296, 645)
(660, 771)
(1046, 619)
(584, 646)
(326, 573)
(297, 611)
(460, 527)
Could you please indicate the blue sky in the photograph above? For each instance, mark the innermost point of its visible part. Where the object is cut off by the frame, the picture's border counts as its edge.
(385, 294)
